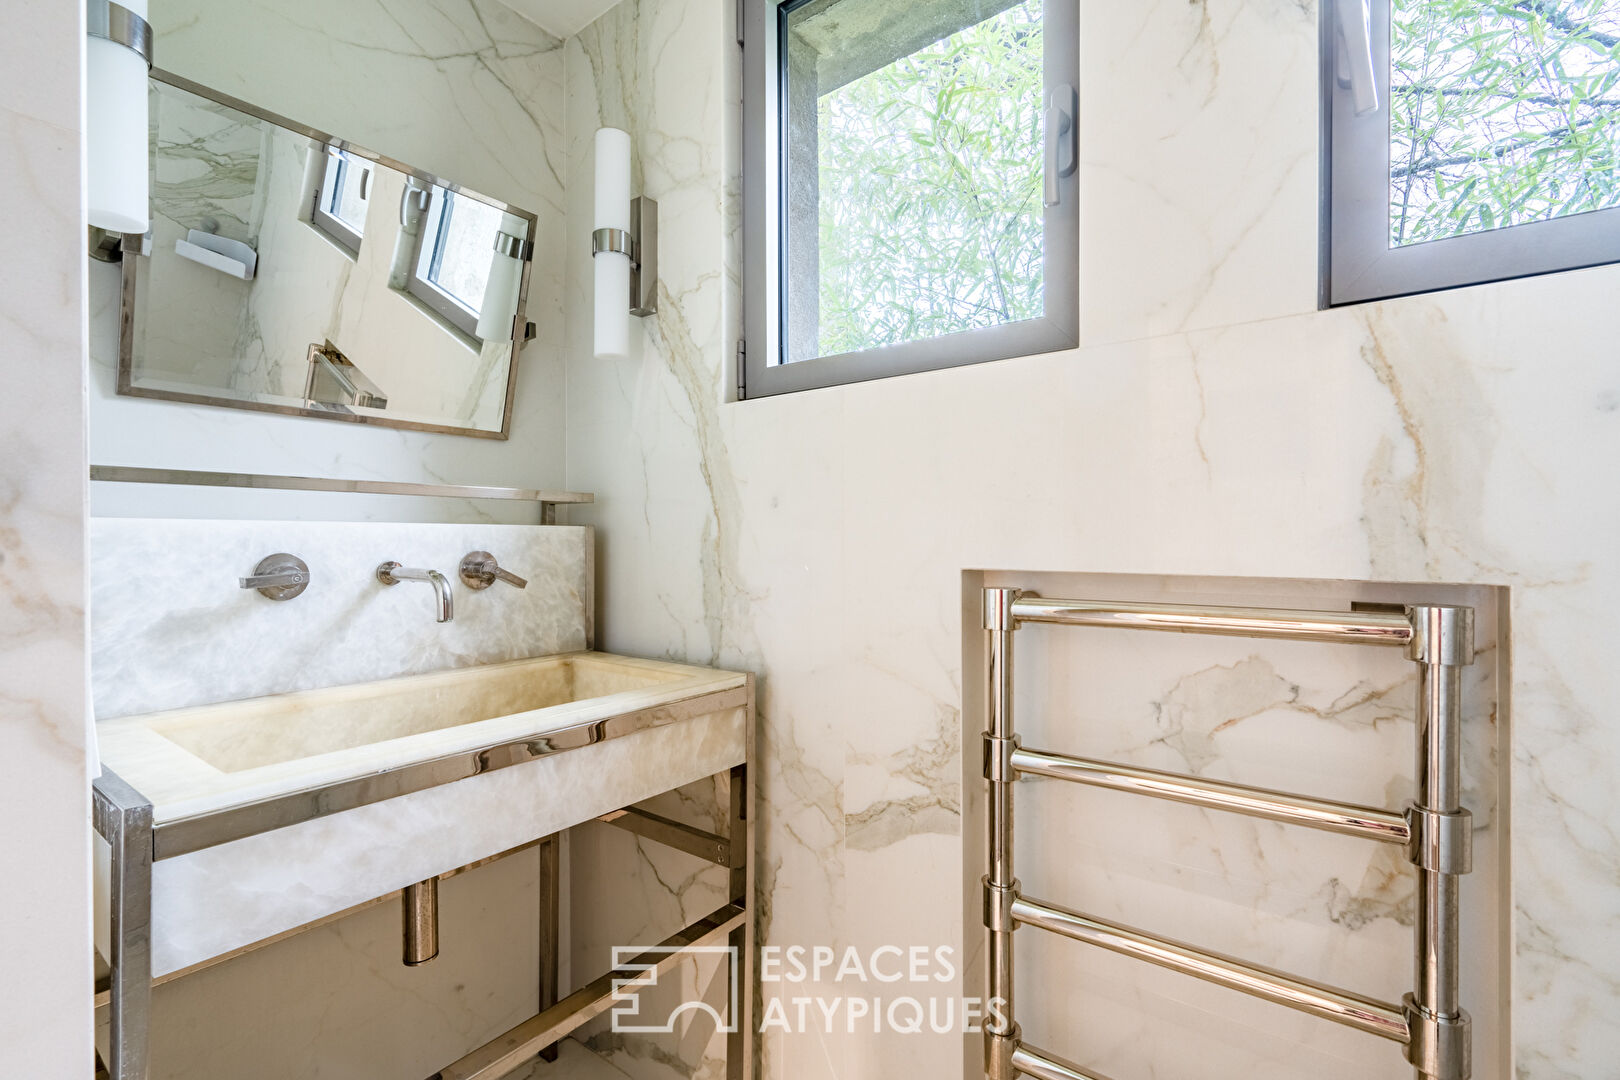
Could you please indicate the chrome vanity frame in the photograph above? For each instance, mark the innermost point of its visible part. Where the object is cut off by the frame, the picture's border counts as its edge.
(123, 817)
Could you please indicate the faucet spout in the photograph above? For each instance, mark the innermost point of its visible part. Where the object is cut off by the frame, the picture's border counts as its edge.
(392, 573)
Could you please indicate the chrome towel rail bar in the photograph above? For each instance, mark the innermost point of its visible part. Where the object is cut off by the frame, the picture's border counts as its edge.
(1318, 999)
(1343, 627)
(1343, 818)
(1434, 829)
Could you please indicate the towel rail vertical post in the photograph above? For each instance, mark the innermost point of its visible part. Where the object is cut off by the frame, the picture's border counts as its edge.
(1442, 644)
(1000, 888)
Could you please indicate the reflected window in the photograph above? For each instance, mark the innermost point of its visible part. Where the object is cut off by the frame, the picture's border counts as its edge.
(456, 250)
(340, 206)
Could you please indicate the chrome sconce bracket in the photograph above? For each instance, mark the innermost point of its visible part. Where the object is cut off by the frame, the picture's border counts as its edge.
(119, 25)
(640, 244)
(111, 247)
(514, 247)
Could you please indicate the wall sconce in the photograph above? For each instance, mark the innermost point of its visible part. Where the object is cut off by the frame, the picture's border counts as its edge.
(118, 55)
(624, 247)
(497, 316)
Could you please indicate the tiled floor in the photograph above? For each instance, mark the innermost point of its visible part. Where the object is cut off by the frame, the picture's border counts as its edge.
(573, 1063)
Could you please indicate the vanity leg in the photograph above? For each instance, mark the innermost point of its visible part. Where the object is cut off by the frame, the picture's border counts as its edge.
(550, 926)
(740, 1040)
(124, 818)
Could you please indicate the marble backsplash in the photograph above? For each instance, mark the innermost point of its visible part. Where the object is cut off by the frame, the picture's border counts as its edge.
(170, 627)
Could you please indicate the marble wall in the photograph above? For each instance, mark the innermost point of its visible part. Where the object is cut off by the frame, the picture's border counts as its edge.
(1212, 424)
(44, 785)
(461, 88)
(170, 628)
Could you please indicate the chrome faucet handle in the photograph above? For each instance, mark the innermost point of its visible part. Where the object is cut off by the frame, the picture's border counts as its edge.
(479, 570)
(278, 577)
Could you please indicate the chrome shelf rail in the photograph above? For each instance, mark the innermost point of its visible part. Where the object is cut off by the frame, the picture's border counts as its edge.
(1435, 830)
(130, 474)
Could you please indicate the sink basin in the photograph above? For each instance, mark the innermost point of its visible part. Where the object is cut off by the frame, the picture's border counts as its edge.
(205, 758)
(235, 736)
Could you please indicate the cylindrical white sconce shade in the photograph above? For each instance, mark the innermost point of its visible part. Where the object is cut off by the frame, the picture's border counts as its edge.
(505, 282)
(116, 136)
(612, 272)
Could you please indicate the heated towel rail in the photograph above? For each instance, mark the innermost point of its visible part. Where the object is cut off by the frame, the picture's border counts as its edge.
(1435, 830)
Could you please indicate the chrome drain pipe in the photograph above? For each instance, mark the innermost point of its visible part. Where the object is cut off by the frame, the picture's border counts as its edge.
(421, 911)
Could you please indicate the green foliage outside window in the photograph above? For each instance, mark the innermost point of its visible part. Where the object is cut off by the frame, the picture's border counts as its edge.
(1501, 113)
(930, 191)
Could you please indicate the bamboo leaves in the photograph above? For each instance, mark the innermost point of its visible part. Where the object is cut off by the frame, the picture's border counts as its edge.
(1501, 113)
(930, 190)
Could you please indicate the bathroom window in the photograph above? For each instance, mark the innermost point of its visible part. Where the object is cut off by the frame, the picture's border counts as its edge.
(340, 205)
(454, 255)
(1467, 141)
(909, 186)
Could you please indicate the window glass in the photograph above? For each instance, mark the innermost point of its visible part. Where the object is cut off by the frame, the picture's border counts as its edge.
(459, 259)
(1467, 141)
(914, 174)
(349, 190)
(1501, 114)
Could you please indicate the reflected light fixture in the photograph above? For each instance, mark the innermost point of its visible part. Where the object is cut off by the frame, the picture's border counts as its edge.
(624, 248)
(118, 56)
(497, 315)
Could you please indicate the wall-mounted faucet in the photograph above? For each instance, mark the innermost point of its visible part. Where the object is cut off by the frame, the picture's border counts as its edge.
(391, 573)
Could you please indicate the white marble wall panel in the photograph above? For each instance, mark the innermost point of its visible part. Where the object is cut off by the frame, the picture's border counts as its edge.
(1212, 424)
(44, 785)
(462, 88)
(170, 627)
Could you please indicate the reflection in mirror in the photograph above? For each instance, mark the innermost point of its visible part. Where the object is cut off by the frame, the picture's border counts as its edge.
(293, 272)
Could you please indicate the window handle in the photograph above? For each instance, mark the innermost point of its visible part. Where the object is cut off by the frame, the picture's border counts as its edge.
(413, 203)
(1061, 138)
(1355, 59)
(365, 183)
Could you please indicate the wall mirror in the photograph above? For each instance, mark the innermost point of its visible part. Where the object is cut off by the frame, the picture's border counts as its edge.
(290, 271)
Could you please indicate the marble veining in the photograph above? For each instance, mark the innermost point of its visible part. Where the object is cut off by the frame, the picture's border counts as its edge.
(170, 627)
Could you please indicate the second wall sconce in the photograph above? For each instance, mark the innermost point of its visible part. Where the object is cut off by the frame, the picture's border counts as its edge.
(624, 248)
(117, 57)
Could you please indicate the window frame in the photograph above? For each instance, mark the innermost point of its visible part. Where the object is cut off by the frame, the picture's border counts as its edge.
(333, 180)
(1357, 264)
(762, 368)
